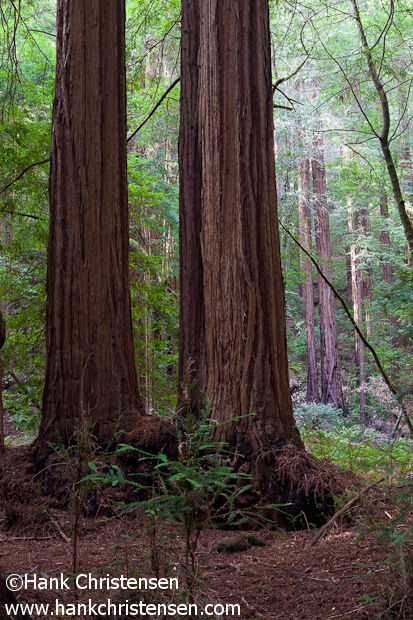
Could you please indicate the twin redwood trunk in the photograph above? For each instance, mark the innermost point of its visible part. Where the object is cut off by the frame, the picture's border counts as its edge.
(233, 344)
(90, 367)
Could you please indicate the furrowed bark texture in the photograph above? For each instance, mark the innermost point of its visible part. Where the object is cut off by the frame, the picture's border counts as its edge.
(331, 390)
(306, 268)
(191, 371)
(246, 366)
(90, 367)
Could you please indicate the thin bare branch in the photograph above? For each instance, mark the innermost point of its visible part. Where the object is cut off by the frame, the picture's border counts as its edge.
(288, 77)
(283, 107)
(166, 93)
(19, 176)
(397, 393)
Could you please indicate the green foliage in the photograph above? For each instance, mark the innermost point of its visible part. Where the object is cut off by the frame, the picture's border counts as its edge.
(22, 291)
(347, 442)
(26, 90)
(197, 491)
(396, 537)
(154, 267)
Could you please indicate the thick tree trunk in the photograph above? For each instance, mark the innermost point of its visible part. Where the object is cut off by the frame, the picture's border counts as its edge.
(90, 368)
(245, 340)
(233, 345)
(331, 390)
(233, 342)
(305, 237)
(191, 371)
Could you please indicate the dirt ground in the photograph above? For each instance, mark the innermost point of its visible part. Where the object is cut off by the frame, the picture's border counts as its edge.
(285, 580)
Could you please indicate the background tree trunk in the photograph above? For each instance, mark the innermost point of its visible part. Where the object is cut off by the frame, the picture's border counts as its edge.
(331, 390)
(383, 137)
(385, 240)
(405, 155)
(354, 223)
(305, 238)
(89, 368)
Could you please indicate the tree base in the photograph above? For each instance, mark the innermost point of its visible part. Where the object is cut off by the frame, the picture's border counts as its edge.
(289, 488)
(292, 488)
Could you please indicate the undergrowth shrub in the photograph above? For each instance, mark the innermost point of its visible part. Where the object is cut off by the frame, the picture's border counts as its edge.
(347, 442)
(396, 538)
(195, 492)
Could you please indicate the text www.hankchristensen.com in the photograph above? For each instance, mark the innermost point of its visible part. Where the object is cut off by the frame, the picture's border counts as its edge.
(138, 609)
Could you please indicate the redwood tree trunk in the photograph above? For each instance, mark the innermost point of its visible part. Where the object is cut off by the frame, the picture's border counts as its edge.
(191, 370)
(229, 238)
(305, 235)
(89, 367)
(331, 390)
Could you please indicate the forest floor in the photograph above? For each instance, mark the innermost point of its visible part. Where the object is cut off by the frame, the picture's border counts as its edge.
(339, 577)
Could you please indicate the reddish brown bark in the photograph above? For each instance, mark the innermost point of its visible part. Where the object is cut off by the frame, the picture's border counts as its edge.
(233, 325)
(305, 238)
(331, 390)
(191, 371)
(89, 367)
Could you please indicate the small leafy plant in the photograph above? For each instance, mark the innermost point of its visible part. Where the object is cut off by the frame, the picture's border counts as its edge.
(197, 491)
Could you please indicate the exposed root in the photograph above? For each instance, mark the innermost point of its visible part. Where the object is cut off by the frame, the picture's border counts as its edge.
(154, 435)
(304, 472)
(299, 488)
